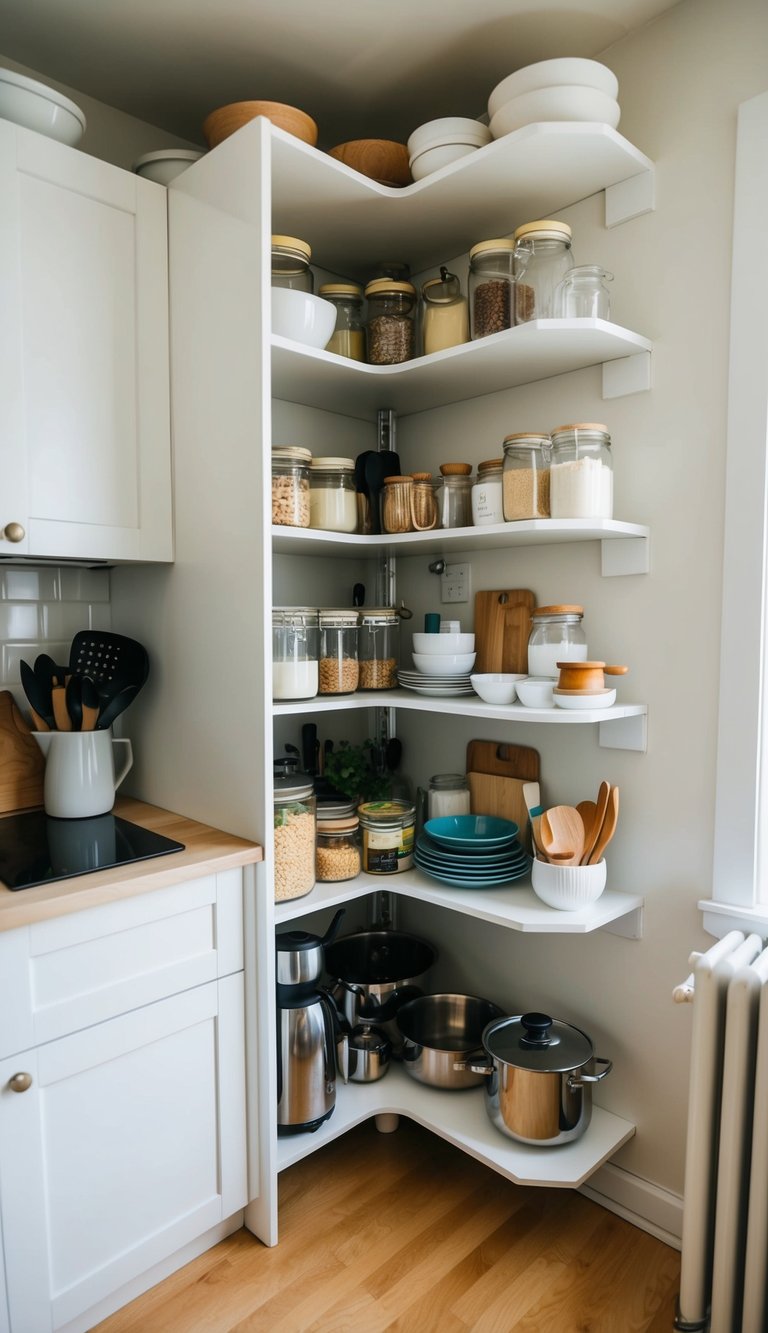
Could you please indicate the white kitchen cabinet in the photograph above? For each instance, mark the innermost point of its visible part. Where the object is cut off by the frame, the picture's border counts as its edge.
(122, 1131)
(84, 398)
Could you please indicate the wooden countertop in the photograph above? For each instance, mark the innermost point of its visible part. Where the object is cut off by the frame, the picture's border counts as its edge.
(206, 850)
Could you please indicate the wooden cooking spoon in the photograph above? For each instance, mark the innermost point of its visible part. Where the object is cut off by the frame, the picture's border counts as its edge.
(608, 829)
(562, 831)
(593, 832)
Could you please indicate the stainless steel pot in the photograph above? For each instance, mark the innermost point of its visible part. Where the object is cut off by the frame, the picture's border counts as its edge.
(539, 1088)
(375, 971)
(441, 1035)
(369, 1052)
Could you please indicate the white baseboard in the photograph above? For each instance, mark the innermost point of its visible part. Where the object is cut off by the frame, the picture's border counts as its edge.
(638, 1201)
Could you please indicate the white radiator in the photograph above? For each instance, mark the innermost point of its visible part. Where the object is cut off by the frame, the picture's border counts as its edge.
(724, 1269)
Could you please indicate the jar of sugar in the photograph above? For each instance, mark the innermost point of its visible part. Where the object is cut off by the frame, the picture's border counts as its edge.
(557, 635)
(581, 472)
(295, 634)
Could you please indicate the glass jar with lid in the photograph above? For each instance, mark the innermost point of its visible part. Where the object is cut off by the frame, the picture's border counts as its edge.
(424, 508)
(455, 495)
(583, 293)
(491, 287)
(390, 327)
(290, 486)
(294, 856)
(290, 264)
(487, 500)
(339, 672)
(378, 648)
(447, 794)
(387, 829)
(557, 635)
(294, 652)
(543, 259)
(338, 841)
(396, 504)
(445, 319)
(348, 337)
(581, 472)
(526, 476)
(332, 494)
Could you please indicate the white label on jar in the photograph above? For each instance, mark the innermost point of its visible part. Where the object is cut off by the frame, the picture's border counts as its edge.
(387, 851)
(582, 488)
(543, 657)
(332, 509)
(487, 503)
(294, 680)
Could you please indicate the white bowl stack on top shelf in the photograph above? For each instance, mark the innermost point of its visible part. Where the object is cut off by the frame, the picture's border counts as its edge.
(440, 142)
(443, 662)
(568, 88)
(35, 106)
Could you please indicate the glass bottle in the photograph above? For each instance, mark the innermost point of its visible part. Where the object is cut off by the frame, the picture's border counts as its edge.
(348, 338)
(396, 504)
(290, 264)
(339, 672)
(487, 500)
(526, 476)
(447, 794)
(332, 494)
(290, 486)
(491, 287)
(557, 635)
(390, 327)
(581, 471)
(543, 259)
(455, 495)
(378, 648)
(583, 293)
(294, 652)
(294, 856)
(445, 318)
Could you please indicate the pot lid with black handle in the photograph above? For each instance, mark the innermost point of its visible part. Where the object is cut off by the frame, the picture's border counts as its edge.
(537, 1043)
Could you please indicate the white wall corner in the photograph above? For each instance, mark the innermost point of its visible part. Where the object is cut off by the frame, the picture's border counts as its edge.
(646, 1205)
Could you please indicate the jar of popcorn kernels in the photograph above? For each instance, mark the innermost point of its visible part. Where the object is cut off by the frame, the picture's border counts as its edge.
(290, 486)
(294, 801)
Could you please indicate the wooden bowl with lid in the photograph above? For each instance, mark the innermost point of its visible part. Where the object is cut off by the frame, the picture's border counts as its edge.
(586, 677)
(382, 160)
(227, 119)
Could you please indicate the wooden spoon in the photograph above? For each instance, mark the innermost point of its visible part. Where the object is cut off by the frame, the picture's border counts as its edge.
(608, 829)
(587, 810)
(592, 833)
(561, 831)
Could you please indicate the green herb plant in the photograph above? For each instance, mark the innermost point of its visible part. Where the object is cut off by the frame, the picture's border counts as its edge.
(352, 769)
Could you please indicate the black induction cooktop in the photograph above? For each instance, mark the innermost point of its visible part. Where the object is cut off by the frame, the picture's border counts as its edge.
(36, 849)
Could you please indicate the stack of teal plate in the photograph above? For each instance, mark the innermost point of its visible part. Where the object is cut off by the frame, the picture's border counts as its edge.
(471, 851)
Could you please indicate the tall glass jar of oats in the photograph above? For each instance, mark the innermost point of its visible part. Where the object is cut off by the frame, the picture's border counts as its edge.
(295, 835)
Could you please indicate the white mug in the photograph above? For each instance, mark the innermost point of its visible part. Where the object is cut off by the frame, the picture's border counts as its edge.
(80, 775)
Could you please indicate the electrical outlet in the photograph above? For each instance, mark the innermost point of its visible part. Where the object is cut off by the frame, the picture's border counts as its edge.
(455, 582)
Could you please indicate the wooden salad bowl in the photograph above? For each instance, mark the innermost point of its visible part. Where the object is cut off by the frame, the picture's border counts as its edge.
(224, 121)
(381, 160)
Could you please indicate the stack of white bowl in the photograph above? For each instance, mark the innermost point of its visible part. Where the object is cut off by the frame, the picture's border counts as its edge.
(568, 88)
(439, 142)
(443, 662)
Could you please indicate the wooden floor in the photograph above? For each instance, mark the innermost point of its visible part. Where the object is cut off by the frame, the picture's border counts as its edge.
(401, 1233)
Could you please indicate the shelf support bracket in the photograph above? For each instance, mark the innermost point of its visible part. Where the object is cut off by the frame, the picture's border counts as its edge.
(629, 927)
(625, 733)
(630, 198)
(625, 555)
(626, 375)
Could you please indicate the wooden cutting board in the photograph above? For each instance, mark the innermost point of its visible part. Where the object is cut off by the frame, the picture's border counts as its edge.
(506, 761)
(496, 775)
(502, 628)
(21, 761)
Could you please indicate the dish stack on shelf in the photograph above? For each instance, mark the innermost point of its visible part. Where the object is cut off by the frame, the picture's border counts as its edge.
(443, 664)
(471, 851)
(568, 88)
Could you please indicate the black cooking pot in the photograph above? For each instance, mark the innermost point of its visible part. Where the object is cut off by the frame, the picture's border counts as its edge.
(376, 971)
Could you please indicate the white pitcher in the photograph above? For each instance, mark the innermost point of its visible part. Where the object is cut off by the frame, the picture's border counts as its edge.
(80, 774)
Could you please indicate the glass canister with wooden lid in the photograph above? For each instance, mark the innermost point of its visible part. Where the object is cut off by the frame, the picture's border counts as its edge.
(491, 287)
(557, 635)
(526, 476)
(391, 324)
(290, 264)
(378, 648)
(543, 259)
(348, 337)
(581, 473)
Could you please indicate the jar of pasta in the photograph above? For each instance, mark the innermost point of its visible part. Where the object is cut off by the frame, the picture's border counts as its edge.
(339, 672)
(378, 648)
(294, 802)
(290, 486)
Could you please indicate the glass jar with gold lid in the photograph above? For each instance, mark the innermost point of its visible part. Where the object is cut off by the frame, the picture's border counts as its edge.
(290, 264)
(348, 337)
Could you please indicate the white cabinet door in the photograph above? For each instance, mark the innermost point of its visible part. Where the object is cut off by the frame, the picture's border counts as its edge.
(129, 1143)
(84, 396)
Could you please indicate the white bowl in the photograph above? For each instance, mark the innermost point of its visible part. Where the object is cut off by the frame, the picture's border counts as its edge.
(550, 74)
(569, 102)
(602, 700)
(536, 692)
(567, 887)
(441, 645)
(441, 156)
(496, 687)
(37, 107)
(450, 664)
(166, 164)
(446, 130)
(302, 317)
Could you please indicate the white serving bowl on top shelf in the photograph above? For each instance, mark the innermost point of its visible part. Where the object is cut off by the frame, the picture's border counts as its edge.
(442, 645)
(302, 317)
(451, 664)
(573, 70)
(442, 155)
(496, 687)
(166, 164)
(584, 699)
(570, 102)
(35, 106)
(567, 887)
(536, 692)
(447, 130)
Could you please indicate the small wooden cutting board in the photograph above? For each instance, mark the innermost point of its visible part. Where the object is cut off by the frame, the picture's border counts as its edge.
(496, 775)
(22, 766)
(502, 629)
(489, 795)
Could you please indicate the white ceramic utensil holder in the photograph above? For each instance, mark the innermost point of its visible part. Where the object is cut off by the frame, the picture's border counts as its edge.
(80, 773)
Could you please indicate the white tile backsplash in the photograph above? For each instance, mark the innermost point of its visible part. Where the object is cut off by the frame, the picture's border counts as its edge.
(29, 585)
(42, 609)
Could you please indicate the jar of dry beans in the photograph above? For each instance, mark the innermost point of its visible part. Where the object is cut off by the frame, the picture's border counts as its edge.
(390, 327)
(338, 846)
(378, 648)
(290, 486)
(338, 669)
(294, 800)
(491, 287)
(526, 476)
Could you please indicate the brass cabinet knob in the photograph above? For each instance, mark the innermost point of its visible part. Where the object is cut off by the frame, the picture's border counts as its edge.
(14, 532)
(20, 1082)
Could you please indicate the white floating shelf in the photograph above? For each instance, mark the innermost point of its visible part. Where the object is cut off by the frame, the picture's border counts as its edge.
(528, 352)
(496, 536)
(460, 1118)
(466, 705)
(516, 907)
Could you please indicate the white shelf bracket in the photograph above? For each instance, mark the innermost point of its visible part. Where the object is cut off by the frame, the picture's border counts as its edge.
(626, 375)
(630, 198)
(629, 927)
(625, 733)
(625, 555)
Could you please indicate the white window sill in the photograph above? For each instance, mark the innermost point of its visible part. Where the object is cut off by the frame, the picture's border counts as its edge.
(719, 918)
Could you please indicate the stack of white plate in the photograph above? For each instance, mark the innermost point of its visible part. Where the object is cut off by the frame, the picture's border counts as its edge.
(440, 686)
(568, 88)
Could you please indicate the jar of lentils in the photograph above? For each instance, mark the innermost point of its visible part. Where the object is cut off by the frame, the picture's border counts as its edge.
(338, 841)
(294, 801)
(290, 264)
(391, 307)
(378, 648)
(339, 672)
(526, 476)
(543, 260)
(491, 287)
(290, 486)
